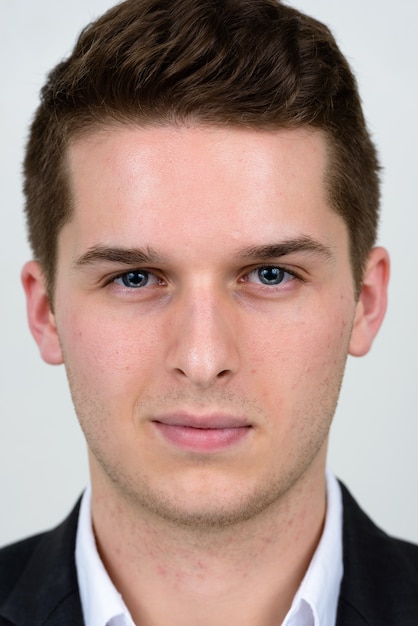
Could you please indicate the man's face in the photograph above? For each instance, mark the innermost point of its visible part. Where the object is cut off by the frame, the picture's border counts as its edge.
(204, 305)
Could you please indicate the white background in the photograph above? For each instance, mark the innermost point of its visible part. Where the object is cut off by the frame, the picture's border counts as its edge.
(375, 435)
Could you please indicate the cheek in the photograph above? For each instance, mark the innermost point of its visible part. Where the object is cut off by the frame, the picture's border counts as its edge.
(303, 354)
(106, 349)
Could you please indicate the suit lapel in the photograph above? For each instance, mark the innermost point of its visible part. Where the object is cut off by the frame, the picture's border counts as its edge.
(47, 591)
(351, 610)
(378, 586)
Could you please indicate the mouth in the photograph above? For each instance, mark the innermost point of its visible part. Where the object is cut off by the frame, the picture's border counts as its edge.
(202, 433)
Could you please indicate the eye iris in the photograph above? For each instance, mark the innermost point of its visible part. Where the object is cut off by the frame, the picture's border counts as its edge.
(135, 279)
(270, 275)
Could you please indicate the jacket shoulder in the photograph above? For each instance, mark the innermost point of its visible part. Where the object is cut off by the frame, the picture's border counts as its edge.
(38, 579)
(14, 559)
(380, 582)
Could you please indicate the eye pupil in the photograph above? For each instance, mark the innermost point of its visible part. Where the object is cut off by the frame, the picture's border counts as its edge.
(270, 275)
(135, 279)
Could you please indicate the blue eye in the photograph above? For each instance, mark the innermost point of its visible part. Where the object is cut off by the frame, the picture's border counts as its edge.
(135, 279)
(270, 275)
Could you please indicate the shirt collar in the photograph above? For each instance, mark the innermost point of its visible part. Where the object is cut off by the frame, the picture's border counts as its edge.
(315, 603)
(102, 604)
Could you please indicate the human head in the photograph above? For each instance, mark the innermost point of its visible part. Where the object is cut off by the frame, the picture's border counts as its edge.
(251, 63)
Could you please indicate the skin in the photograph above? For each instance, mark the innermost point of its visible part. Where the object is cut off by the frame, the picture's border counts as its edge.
(205, 393)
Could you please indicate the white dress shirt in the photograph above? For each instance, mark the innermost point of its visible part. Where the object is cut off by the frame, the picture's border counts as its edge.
(315, 603)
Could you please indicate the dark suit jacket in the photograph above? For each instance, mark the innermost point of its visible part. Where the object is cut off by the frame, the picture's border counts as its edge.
(38, 582)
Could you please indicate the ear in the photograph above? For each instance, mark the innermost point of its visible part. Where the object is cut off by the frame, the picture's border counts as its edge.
(40, 316)
(371, 305)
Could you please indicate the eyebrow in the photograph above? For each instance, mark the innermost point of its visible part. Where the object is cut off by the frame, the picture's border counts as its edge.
(139, 256)
(288, 246)
(125, 256)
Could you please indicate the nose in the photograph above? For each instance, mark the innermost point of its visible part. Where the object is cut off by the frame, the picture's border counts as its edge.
(203, 348)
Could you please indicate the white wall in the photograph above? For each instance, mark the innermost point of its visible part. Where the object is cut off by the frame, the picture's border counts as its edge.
(374, 442)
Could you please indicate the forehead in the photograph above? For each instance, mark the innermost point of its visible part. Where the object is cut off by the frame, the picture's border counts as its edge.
(213, 182)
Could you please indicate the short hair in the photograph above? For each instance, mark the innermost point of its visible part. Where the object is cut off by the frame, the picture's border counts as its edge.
(250, 63)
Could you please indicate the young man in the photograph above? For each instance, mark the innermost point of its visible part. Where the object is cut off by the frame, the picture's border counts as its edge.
(202, 200)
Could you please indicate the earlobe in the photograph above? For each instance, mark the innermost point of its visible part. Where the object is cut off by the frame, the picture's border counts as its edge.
(371, 305)
(40, 317)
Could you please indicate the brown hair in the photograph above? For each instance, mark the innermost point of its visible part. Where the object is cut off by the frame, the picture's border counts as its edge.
(253, 63)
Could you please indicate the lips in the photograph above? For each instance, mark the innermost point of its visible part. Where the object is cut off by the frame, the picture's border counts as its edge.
(202, 433)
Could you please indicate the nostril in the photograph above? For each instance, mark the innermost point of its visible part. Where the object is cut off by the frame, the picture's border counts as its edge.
(223, 373)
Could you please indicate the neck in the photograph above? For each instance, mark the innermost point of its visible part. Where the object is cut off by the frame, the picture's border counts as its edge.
(246, 573)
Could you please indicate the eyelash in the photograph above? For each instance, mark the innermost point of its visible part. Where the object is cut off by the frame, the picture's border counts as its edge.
(281, 272)
(244, 277)
(145, 272)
